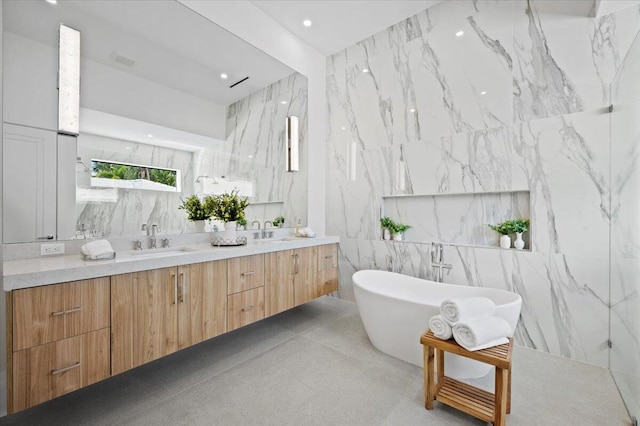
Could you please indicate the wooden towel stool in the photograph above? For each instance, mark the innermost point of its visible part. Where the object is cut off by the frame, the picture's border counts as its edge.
(477, 402)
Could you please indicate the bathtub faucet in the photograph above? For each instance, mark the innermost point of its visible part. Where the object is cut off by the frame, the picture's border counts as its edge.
(437, 262)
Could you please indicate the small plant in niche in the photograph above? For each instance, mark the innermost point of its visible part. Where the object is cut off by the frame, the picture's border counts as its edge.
(520, 225)
(504, 228)
(395, 229)
(278, 221)
(196, 209)
(227, 207)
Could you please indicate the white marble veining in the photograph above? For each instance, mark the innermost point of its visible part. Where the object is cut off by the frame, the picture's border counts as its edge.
(40, 271)
(516, 103)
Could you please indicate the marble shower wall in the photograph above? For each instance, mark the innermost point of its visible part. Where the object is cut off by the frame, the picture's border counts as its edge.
(625, 229)
(123, 211)
(256, 147)
(517, 103)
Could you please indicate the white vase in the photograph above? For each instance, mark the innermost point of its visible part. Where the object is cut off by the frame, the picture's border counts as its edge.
(199, 225)
(386, 234)
(505, 241)
(519, 242)
(229, 231)
(397, 237)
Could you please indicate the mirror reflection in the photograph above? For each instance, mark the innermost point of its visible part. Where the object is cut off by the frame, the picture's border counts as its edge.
(161, 119)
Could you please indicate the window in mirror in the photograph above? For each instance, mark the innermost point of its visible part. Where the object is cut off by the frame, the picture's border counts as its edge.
(134, 176)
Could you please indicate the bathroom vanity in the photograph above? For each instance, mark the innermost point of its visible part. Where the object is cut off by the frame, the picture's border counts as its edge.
(71, 323)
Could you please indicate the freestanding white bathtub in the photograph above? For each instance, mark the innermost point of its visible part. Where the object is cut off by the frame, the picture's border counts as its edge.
(395, 310)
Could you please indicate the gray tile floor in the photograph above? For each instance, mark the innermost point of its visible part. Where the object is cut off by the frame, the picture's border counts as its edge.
(314, 365)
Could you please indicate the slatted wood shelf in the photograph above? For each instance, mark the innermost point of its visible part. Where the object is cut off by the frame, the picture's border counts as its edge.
(490, 407)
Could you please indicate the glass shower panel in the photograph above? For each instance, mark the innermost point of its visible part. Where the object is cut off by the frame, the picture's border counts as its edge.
(625, 230)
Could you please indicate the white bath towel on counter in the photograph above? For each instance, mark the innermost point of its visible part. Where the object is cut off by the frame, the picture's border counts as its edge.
(441, 329)
(99, 249)
(466, 308)
(481, 333)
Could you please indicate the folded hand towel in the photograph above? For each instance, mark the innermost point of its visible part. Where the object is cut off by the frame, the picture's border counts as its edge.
(441, 329)
(99, 249)
(481, 333)
(467, 308)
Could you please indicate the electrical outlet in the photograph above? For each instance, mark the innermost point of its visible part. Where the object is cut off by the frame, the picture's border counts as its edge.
(49, 249)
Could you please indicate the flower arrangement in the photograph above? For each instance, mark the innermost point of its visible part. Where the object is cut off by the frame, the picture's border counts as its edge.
(227, 207)
(196, 209)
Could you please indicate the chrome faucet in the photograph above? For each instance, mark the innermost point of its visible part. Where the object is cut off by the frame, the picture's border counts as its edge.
(256, 221)
(145, 228)
(264, 230)
(437, 259)
(153, 243)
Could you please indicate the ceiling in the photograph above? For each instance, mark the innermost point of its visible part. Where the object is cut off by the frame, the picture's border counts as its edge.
(339, 24)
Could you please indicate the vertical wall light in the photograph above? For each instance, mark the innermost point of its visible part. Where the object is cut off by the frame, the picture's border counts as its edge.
(69, 81)
(293, 162)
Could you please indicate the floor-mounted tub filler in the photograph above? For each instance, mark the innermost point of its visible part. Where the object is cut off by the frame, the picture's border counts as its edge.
(395, 310)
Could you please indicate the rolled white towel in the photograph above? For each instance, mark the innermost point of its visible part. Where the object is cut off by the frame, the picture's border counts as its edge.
(466, 308)
(481, 333)
(99, 249)
(441, 329)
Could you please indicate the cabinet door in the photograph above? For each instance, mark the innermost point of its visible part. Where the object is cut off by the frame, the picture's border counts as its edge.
(245, 273)
(29, 184)
(279, 267)
(327, 281)
(304, 275)
(327, 257)
(246, 307)
(202, 302)
(87, 306)
(144, 317)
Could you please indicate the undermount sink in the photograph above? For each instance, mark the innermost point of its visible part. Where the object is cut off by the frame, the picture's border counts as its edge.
(163, 252)
(275, 240)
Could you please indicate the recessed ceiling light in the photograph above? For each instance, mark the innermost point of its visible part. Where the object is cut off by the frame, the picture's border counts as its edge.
(412, 110)
(149, 136)
(127, 147)
(223, 76)
(484, 92)
(365, 70)
(460, 33)
(250, 156)
(52, 1)
(283, 102)
(343, 128)
(307, 22)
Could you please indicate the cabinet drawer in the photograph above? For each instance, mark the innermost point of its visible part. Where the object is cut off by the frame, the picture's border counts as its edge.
(47, 371)
(327, 257)
(245, 273)
(328, 281)
(53, 312)
(245, 307)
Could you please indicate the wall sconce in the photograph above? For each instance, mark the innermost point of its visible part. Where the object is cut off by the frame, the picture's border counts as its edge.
(69, 81)
(293, 161)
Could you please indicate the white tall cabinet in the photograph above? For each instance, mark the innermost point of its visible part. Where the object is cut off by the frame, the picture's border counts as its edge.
(37, 183)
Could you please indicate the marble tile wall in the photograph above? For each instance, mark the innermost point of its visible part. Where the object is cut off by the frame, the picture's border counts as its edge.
(517, 103)
(625, 229)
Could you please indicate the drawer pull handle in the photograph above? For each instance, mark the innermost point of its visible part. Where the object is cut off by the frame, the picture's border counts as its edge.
(70, 311)
(62, 370)
(250, 308)
(328, 256)
(247, 273)
(328, 282)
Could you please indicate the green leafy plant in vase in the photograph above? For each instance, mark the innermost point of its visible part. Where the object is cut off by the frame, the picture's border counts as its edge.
(504, 229)
(241, 224)
(398, 230)
(197, 211)
(387, 225)
(229, 208)
(278, 221)
(520, 226)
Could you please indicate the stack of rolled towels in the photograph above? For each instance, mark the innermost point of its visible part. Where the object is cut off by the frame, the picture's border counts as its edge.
(472, 323)
(96, 250)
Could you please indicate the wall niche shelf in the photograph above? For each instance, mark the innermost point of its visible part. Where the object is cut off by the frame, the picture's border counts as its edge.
(458, 219)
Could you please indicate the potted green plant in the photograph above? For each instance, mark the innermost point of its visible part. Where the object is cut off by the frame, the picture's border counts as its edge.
(278, 221)
(504, 229)
(519, 226)
(241, 224)
(387, 225)
(197, 211)
(229, 208)
(397, 232)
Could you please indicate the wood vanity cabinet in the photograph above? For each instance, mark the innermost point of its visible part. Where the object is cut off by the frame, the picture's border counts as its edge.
(155, 313)
(290, 278)
(327, 269)
(245, 300)
(59, 340)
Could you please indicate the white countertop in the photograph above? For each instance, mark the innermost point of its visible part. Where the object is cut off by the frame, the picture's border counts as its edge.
(50, 270)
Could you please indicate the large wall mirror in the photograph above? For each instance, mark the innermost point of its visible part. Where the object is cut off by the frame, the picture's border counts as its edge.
(158, 122)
